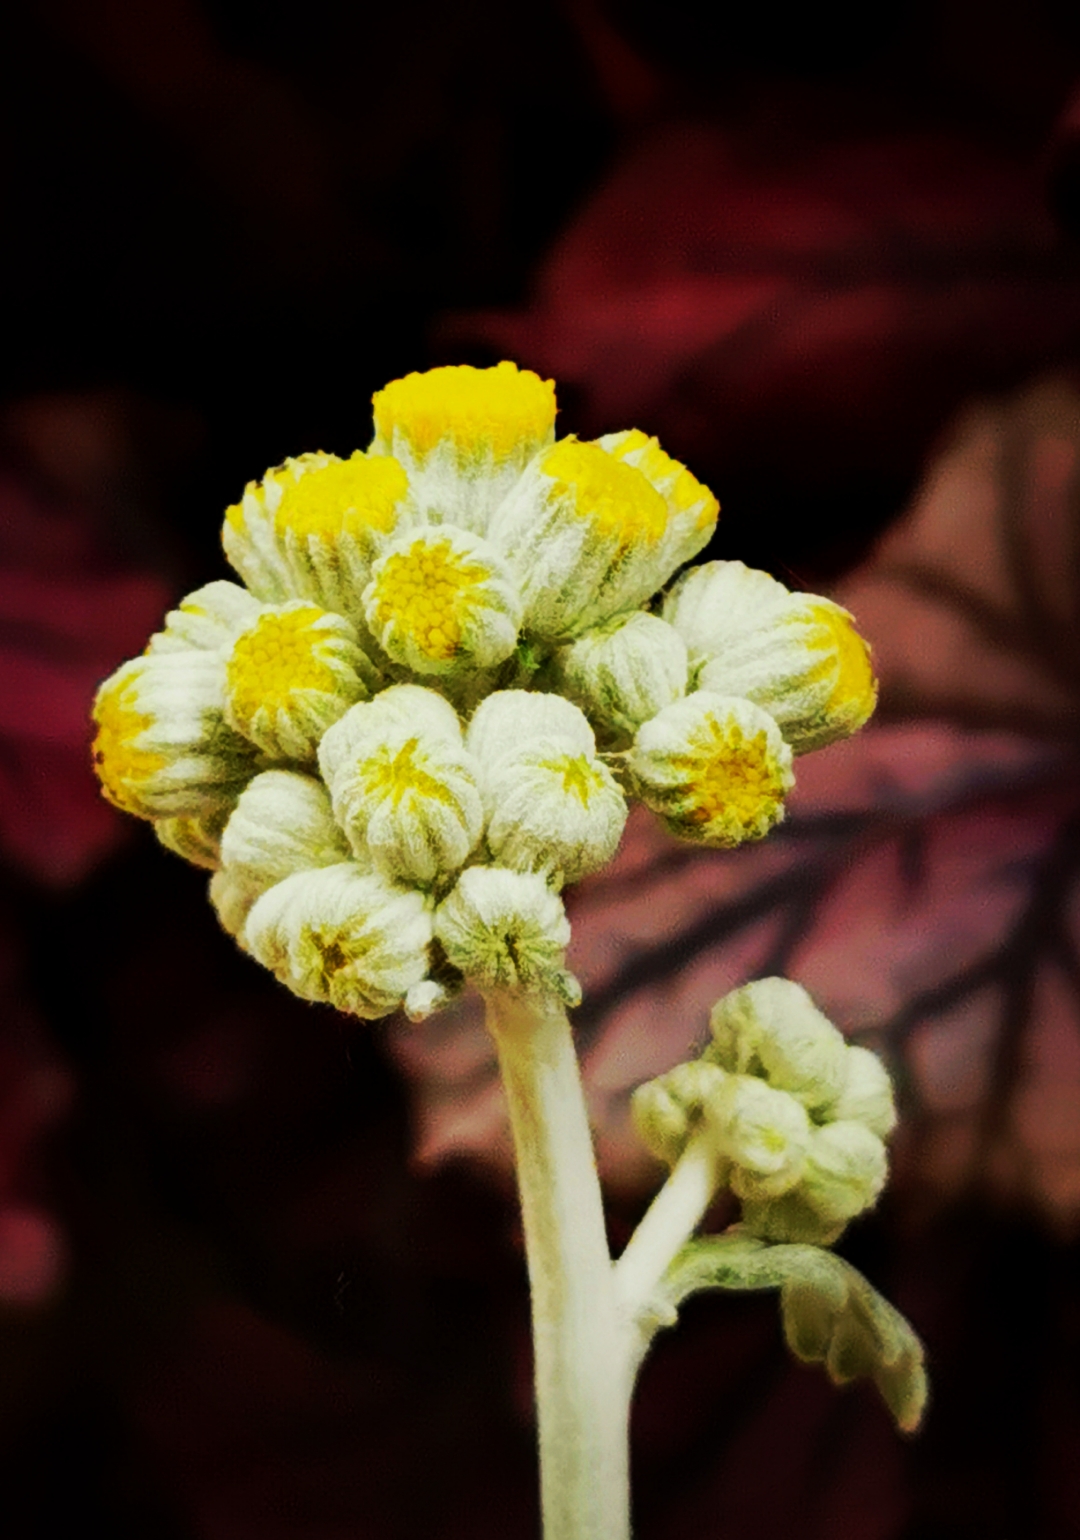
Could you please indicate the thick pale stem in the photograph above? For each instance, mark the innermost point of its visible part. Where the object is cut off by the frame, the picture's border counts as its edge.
(671, 1219)
(580, 1344)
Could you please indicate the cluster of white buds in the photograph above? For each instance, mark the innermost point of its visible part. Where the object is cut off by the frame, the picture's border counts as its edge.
(797, 1117)
(450, 666)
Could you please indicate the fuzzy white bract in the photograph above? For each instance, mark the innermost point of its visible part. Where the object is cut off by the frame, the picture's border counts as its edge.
(449, 667)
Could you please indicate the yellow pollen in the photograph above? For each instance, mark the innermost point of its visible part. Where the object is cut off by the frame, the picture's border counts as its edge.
(730, 774)
(428, 590)
(343, 496)
(682, 489)
(505, 409)
(279, 654)
(400, 775)
(855, 689)
(118, 760)
(579, 777)
(617, 499)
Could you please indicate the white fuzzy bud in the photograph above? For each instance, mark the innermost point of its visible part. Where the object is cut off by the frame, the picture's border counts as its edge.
(772, 1028)
(507, 930)
(442, 600)
(553, 811)
(403, 786)
(667, 1110)
(343, 936)
(714, 767)
(163, 748)
(511, 720)
(625, 671)
(210, 618)
(845, 1171)
(197, 837)
(866, 1095)
(796, 655)
(765, 1133)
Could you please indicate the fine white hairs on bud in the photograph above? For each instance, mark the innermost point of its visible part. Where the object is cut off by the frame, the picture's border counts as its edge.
(715, 768)
(291, 674)
(282, 823)
(403, 786)
(765, 1133)
(667, 1110)
(507, 930)
(625, 671)
(866, 1094)
(206, 620)
(510, 720)
(772, 1028)
(553, 811)
(845, 1171)
(344, 936)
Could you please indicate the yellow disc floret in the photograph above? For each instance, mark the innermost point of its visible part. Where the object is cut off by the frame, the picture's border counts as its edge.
(119, 761)
(399, 773)
(581, 776)
(343, 496)
(732, 778)
(480, 411)
(683, 490)
(617, 499)
(277, 656)
(854, 693)
(427, 590)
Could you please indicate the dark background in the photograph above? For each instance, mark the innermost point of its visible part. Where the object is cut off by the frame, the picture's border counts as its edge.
(231, 1304)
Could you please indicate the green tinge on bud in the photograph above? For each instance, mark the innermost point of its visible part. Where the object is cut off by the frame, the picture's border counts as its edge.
(773, 1029)
(715, 768)
(796, 655)
(442, 599)
(313, 526)
(195, 837)
(162, 747)
(511, 720)
(587, 535)
(764, 1133)
(845, 1171)
(403, 786)
(866, 1095)
(208, 619)
(343, 936)
(507, 930)
(282, 824)
(291, 674)
(625, 671)
(553, 811)
(667, 1110)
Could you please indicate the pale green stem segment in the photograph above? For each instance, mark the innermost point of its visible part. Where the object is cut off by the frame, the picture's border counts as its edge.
(582, 1347)
(670, 1221)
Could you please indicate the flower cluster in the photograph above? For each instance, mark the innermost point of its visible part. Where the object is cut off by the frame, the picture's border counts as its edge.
(797, 1116)
(450, 665)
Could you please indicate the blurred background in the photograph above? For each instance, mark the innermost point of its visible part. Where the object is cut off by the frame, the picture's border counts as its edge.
(260, 1269)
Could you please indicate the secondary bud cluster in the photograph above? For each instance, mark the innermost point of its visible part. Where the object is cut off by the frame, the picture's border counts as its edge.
(797, 1116)
(450, 664)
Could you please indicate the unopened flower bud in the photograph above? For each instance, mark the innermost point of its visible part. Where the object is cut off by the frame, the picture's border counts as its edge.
(845, 1172)
(291, 674)
(625, 670)
(796, 655)
(210, 618)
(162, 747)
(425, 998)
(442, 599)
(692, 508)
(715, 768)
(553, 811)
(403, 786)
(507, 930)
(587, 535)
(765, 1133)
(510, 720)
(464, 435)
(195, 837)
(344, 936)
(667, 1110)
(772, 1028)
(866, 1095)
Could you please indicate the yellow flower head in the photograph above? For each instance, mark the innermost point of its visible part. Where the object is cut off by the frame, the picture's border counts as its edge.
(442, 600)
(715, 767)
(290, 675)
(464, 436)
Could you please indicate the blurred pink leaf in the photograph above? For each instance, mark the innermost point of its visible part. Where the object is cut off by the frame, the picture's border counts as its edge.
(924, 886)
